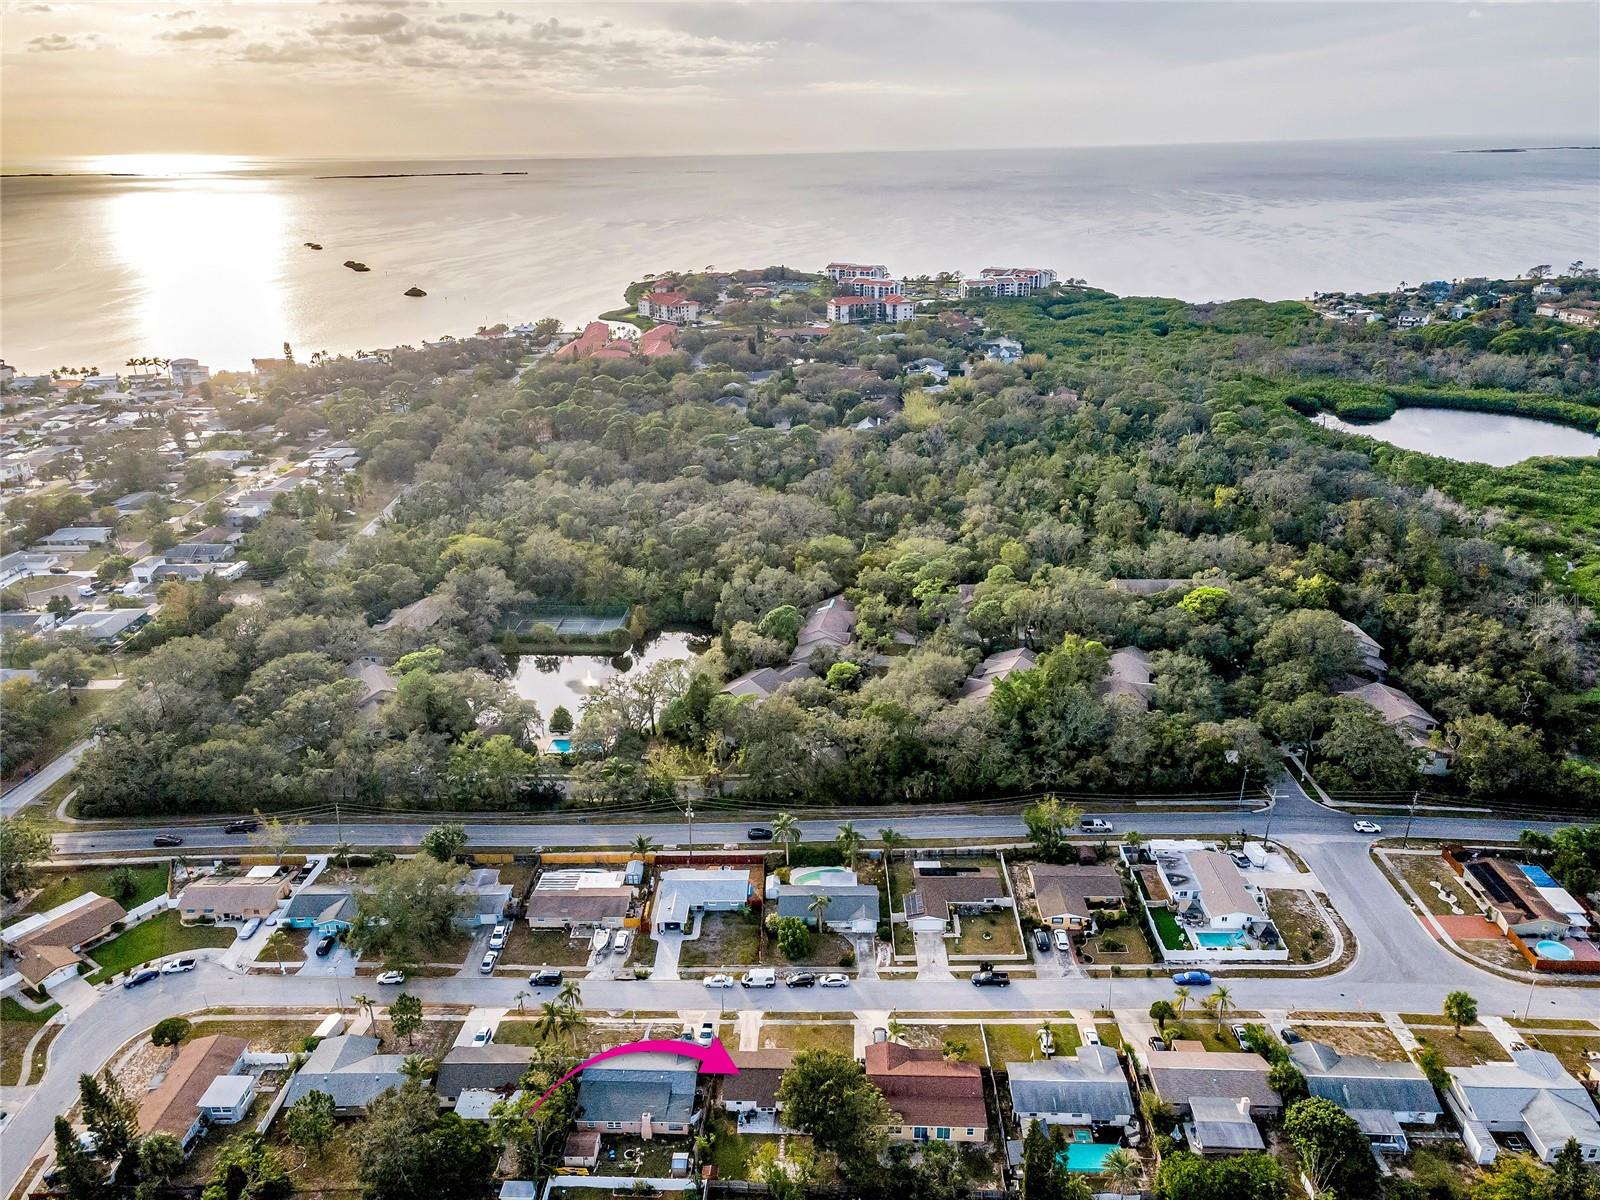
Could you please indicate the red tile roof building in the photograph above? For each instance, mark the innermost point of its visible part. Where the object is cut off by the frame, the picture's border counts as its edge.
(933, 1100)
(596, 341)
(838, 271)
(1008, 281)
(863, 310)
(675, 307)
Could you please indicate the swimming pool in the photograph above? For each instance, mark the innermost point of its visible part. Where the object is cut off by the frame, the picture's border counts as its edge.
(1554, 951)
(1538, 876)
(1219, 941)
(1086, 1157)
(822, 876)
(560, 745)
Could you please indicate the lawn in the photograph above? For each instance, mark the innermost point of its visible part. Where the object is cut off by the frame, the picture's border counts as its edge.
(988, 933)
(153, 939)
(731, 1151)
(837, 1037)
(621, 1154)
(933, 1037)
(1421, 871)
(1474, 1046)
(1204, 1030)
(1172, 937)
(61, 886)
(265, 1035)
(1020, 1043)
(1134, 942)
(17, 1026)
(1572, 1051)
(726, 940)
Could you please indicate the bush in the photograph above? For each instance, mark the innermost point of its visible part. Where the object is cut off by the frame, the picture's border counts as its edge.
(794, 937)
(170, 1031)
(1112, 945)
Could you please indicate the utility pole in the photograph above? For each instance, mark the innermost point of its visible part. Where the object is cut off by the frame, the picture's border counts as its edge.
(1411, 815)
(688, 812)
(1266, 840)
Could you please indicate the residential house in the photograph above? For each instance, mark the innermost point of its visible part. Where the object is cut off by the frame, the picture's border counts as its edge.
(1210, 894)
(227, 1101)
(864, 310)
(1218, 1125)
(979, 686)
(852, 907)
(580, 899)
(325, 908)
(1532, 1095)
(1087, 1091)
(77, 537)
(1001, 349)
(1069, 896)
(173, 1106)
(1128, 677)
(349, 1068)
(1525, 899)
(829, 625)
(108, 628)
(761, 683)
(931, 1099)
(1406, 717)
(487, 897)
(1545, 290)
(644, 1095)
(46, 947)
(377, 684)
(22, 564)
(1179, 1076)
(26, 623)
(492, 1068)
(1585, 313)
(1367, 646)
(673, 307)
(752, 1094)
(231, 898)
(188, 372)
(1413, 318)
(1383, 1097)
(928, 366)
(943, 893)
(685, 891)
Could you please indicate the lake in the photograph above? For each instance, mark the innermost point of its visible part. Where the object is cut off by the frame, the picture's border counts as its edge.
(568, 679)
(1497, 439)
(211, 263)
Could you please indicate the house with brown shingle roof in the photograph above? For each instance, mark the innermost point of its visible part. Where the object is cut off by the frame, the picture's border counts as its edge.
(1069, 896)
(943, 893)
(232, 898)
(752, 1094)
(932, 1100)
(1406, 717)
(174, 1105)
(47, 945)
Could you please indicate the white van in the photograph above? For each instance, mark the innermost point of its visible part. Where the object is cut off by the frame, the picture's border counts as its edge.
(85, 592)
(759, 977)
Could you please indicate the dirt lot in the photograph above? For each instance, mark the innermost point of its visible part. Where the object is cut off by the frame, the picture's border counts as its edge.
(1372, 1040)
(1474, 1046)
(726, 940)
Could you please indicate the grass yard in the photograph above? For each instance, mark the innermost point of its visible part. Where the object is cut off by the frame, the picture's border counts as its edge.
(829, 952)
(731, 1151)
(17, 1026)
(1474, 1046)
(266, 1035)
(933, 1037)
(1166, 924)
(1421, 871)
(726, 940)
(1203, 1030)
(1373, 1040)
(1495, 951)
(60, 886)
(988, 933)
(1133, 947)
(1549, 1023)
(1305, 933)
(1110, 1034)
(153, 939)
(1572, 1051)
(837, 1037)
(527, 947)
(624, 1155)
(1020, 1043)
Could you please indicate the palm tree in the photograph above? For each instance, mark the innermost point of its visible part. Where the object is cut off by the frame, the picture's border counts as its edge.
(895, 1029)
(365, 1002)
(416, 1066)
(518, 1001)
(551, 1021)
(786, 828)
(644, 845)
(892, 839)
(1183, 999)
(848, 839)
(570, 995)
(818, 908)
(1222, 997)
(1121, 1170)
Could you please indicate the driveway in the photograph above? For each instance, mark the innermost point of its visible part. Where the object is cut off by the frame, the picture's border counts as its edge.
(339, 964)
(668, 947)
(866, 948)
(933, 957)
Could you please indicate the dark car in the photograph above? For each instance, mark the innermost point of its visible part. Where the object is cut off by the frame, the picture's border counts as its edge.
(248, 825)
(1192, 979)
(800, 979)
(141, 977)
(1157, 1042)
(1289, 1036)
(166, 839)
(549, 977)
(990, 978)
(326, 945)
(758, 833)
(1041, 939)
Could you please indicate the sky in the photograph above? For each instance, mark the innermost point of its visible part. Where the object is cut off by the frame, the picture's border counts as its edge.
(441, 78)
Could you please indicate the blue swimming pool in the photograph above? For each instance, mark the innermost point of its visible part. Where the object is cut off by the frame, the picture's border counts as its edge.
(1218, 941)
(561, 745)
(1538, 876)
(1087, 1157)
(1554, 951)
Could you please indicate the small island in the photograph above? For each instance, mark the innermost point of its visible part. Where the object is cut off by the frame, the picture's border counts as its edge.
(356, 266)
(415, 291)
(312, 245)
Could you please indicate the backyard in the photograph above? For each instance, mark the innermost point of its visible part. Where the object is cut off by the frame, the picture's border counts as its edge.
(1172, 937)
(731, 1151)
(159, 936)
(60, 886)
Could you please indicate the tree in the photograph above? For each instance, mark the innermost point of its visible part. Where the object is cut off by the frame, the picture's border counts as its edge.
(22, 844)
(408, 1150)
(81, 1176)
(170, 1031)
(1049, 823)
(1571, 1178)
(1324, 1133)
(276, 837)
(1221, 998)
(644, 845)
(109, 1114)
(818, 908)
(280, 946)
(1186, 1176)
(793, 936)
(309, 1121)
(829, 1096)
(445, 843)
(1432, 1064)
(63, 668)
(1043, 1178)
(405, 1016)
(160, 1156)
(1514, 1177)
(940, 1173)
(1122, 1171)
(410, 910)
(786, 829)
(248, 1169)
(122, 884)
(1460, 1009)
(536, 1137)
(561, 720)
(1161, 1011)
(848, 839)
(1181, 994)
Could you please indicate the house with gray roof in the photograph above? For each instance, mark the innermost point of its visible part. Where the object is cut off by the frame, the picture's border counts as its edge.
(1532, 1095)
(1383, 1097)
(1179, 1076)
(1086, 1091)
(1128, 677)
(1218, 1126)
(830, 625)
(641, 1094)
(763, 681)
(979, 686)
(1367, 646)
(487, 897)
(684, 891)
(327, 909)
(350, 1069)
(491, 1068)
(852, 908)
(106, 628)
(1406, 717)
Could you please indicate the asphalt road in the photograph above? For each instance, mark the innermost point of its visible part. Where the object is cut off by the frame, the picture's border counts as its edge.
(31, 788)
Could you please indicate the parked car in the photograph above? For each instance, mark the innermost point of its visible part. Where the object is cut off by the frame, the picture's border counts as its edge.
(1047, 1042)
(249, 928)
(484, 1036)
(719, 981)
(833, 980)
(1240, 859)
(178, 966)
(1091, 1036)
(486, 967)
(1288, 1036)
(325, 946)
(800, 979)
(1157, 1042)
(141, 977)
(390, 978)
(549, 977)
(759, 977)
(1367, 827)
(166, 839)
(621, 941)
(497, 939)
(1041, 939)
(1095, 825)
(758, 833)
(988, 977)
(601, 941)
(244, 825)
(1063, 940)
(1192, 979)
(1241, 1036)
(707, 1034)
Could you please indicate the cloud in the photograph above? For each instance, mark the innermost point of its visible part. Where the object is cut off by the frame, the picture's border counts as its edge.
(60, 41)
(200, 33)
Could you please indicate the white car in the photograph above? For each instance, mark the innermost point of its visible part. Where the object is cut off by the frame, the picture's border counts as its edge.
(497, 939)
(707, 1034)
(1063, 940)
(486, 967)
(484, 1036)
(1367, 827)
(621, 941)
(389, 978)
(719, 981)
(1047, 1043)
(177, 966)
(833, 981)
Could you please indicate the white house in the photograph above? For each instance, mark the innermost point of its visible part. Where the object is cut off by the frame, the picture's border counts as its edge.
(684, 891)
(1532, 1095)
(673, 307)
(839, 271)
(228, 1099)
(864, 310)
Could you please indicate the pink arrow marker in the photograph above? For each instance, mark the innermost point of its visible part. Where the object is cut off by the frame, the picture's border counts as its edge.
(714, 1060)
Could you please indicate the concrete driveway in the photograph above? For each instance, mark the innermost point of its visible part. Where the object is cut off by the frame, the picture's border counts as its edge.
(340, 962)
(668, 947)
(933, 957)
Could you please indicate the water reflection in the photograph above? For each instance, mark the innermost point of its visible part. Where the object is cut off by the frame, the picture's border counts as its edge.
(1494, 439)
(569, 679)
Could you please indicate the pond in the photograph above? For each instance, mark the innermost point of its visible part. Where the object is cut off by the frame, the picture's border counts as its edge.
(550, 680)
(1496, 439)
